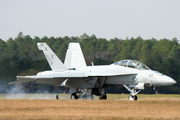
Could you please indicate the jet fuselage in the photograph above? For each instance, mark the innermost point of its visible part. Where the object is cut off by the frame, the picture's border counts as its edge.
(143, 76)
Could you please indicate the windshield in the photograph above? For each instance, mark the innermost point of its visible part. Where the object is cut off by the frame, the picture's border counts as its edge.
(132, 64)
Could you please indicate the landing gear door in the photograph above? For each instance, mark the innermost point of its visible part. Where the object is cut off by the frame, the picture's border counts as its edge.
(100, 82)
(81, 82)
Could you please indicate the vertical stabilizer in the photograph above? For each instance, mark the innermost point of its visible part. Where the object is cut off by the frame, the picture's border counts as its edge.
(74, 56)
(54, 62)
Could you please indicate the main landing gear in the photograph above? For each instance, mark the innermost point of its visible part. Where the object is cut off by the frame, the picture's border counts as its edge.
(88, 92)
(84, 93)
(103, 95)
(74, 96)
(133, 93)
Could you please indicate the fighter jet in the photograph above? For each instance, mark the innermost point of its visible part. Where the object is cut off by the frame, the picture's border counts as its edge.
(85, 80)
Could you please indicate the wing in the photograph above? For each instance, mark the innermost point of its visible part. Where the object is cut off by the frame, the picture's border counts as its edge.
(53, 78)
(72, 78)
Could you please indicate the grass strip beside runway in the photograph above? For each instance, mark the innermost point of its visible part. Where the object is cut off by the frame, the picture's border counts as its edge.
(147, 107)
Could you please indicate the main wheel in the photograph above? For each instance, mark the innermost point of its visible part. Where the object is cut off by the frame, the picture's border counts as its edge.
(74, 96)
(103, 97)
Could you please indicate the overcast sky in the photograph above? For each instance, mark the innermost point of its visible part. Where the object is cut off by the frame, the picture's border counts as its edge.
(104, 18)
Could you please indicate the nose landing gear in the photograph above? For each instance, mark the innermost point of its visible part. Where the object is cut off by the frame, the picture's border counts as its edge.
(132, 98)
(133, 93)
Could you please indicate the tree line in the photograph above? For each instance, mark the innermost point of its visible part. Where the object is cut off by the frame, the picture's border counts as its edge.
(20, 56)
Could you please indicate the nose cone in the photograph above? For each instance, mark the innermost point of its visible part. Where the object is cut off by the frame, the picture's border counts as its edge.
(165, 80)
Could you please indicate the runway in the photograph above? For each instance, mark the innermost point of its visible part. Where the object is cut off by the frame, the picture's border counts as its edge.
(34, 96)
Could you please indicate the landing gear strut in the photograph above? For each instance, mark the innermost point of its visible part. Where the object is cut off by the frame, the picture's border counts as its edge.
(133, 93)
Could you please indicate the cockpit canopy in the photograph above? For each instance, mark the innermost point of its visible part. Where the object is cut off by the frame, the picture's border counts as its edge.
(132, 64)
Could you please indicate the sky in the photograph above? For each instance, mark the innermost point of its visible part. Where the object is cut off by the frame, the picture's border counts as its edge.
(104, 18)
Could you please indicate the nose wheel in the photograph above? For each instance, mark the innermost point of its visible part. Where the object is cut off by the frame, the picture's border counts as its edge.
(133, 93)
(132, 98)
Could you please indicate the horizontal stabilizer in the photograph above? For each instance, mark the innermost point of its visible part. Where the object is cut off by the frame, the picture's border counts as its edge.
(24, 79)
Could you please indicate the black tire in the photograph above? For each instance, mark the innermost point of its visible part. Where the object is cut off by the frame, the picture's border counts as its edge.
(74, 96)
(135, 97)
(104, 97)
(132, 98)
(57, 97)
